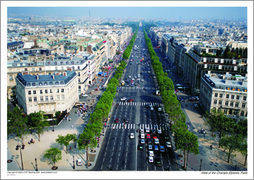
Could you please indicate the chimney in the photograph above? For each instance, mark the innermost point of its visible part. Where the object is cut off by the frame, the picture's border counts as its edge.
(64, 74)
(37, 77)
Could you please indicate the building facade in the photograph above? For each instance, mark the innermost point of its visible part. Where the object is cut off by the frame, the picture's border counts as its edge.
(48, 93)
(226, 92)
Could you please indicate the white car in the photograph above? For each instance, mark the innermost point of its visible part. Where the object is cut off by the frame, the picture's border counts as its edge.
(151, 153)
(141, 131)
(123, 99)
(159, 131)
(159, 108)
(142, 136)
(147, 129)
(150, 147)
(168, 144)
(132, 135)
(142, 141)
(142, 80)
(150, 159)
(79, 162)
(152, 108)
(156, 141)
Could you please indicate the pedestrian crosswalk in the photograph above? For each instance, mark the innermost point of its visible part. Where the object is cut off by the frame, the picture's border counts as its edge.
(135, 126)
(138, 104)
(138, 87)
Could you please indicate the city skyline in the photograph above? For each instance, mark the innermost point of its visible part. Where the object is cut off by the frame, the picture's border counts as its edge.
(181, 13)
(183, 10)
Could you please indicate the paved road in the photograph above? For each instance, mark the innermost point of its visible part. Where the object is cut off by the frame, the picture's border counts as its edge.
(118, 150)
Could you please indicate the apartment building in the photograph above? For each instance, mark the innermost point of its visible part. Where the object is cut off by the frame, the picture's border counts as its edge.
(82, 64)
(226, 92)
(48, 93)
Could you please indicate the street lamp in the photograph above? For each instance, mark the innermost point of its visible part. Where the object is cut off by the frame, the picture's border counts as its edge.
(200, 164)
(73, 163)
(188, 145)
(19, 147)
(36, 167)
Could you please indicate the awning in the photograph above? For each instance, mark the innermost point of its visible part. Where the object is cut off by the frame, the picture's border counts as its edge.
(100, 73)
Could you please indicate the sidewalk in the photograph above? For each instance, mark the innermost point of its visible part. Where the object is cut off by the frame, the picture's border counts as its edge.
(47, 141)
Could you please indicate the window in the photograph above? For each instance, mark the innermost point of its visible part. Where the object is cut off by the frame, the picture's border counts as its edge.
(78, 73)
(25, 69)
(46, 98)
(232, 104)
(226, 103)
(62, 90)
(62, 68)
(39, 69)
(45, 84)
(216, 94)
(30, 99)
(41, 98)
(242, 113)
(220, 102)
(33, 84)
(57, 91)
(51, 91)
(243, 105)
(56, 83)
(236, 104)
(51, 98)
(62, 97)
(221, 95)
(215, 102)
(78, 80)
(227, 96)
(35, 99)
(232, 96)
(29, 92)
(28, 84)
(57, 97)
(41, 92)
(237, 97)
(225, 111)
(244, 98)
(50, 83)
(46, 91)
(56, 68)
(34, 91)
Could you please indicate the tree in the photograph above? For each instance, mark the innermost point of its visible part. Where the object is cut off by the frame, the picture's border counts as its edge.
(243, 149)
(231, 143)
(84, 141)
(188, 142)
(38, 122)
(65, 140)
(17, 123)
(54, 154)
(211, 120)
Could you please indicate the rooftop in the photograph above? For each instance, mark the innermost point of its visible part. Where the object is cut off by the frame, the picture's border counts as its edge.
(45, 80)
(226, 81)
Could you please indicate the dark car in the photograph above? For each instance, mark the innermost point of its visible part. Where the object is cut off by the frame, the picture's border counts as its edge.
(126, 120)
(158, 161)
(117, 121)
(147, 106)
(140, 147)
(149, 141)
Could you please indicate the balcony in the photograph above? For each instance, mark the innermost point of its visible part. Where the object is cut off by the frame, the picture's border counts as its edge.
(47, 102)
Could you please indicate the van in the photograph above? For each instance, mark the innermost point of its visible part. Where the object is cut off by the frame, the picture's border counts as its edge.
(138, 75)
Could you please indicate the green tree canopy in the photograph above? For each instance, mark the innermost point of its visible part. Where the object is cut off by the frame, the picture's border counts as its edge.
(54, 154)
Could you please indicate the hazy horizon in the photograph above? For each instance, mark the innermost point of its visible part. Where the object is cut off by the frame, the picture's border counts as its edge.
(181, 13)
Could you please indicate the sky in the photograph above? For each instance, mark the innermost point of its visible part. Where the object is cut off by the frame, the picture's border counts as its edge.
(143, 9)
